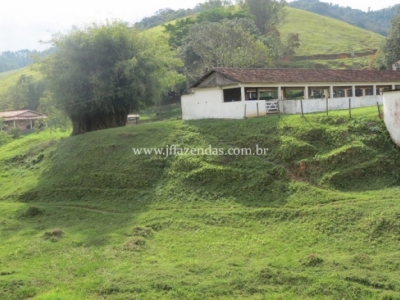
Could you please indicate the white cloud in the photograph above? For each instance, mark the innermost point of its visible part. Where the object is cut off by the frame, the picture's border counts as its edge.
(24, 22)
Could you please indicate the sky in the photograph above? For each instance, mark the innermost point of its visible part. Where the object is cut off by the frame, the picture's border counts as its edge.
(24, 23)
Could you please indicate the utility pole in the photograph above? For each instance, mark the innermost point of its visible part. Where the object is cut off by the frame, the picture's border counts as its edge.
(187, 79)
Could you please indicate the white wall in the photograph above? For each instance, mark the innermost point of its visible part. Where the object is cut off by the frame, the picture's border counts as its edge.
(319, 105)
(251, 108)
(209, 104)
(391, 114)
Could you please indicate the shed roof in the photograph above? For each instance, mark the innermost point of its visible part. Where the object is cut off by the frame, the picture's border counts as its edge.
(237, 75)
(21, 115)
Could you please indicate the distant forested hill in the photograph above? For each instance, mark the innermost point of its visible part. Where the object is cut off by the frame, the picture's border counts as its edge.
(377, 21)
(164, 16)
(10, 60)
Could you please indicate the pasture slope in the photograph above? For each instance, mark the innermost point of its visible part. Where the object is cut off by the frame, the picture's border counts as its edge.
(316, 217)
(320, 35)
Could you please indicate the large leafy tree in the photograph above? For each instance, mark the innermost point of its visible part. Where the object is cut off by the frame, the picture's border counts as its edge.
(25, 94)
(230, 43)
(392, 45)
(268, 14)
(102, 72)
(179, 30)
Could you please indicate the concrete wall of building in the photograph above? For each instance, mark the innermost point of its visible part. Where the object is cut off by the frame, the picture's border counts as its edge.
(391, 114)
(209, 104)
(255, 108)
(319, 105)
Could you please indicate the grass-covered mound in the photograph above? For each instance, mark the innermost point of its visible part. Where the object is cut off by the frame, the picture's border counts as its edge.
(316, 217)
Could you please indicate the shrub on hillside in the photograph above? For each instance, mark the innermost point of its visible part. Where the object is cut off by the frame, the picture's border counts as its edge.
(32, 211)
(15, 132)
(4, 138)
(135, 244)
(53, 235)
(312, 260)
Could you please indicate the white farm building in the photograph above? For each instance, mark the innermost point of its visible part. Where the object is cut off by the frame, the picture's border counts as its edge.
(231, 93)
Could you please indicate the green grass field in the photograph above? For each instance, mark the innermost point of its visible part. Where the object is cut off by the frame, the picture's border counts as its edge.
(317, 217)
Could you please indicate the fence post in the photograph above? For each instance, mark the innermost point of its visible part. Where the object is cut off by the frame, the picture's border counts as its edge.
(301, 104)
(257, 111)
(350, 108)
(379, 110)
(245, 110)
(326, 105)
(279, 110)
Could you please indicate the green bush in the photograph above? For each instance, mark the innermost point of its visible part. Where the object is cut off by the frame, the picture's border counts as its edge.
(4, 138)
(15, 132)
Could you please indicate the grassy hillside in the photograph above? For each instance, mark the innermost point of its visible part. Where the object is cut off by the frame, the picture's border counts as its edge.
(315, 218)
(357, 63)
(8, 79)
(374, 20)
(323, 35)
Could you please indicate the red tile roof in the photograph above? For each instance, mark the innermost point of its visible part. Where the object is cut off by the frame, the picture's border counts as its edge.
(307, 75)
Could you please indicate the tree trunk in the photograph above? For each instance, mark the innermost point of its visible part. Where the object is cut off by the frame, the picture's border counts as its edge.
(88, 123)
